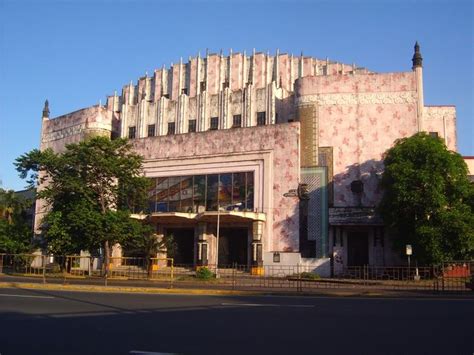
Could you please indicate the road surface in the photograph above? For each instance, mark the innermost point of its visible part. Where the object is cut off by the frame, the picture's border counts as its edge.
(59, 322)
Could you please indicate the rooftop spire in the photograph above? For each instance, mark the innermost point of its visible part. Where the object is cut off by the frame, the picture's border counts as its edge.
(417, 59)
(46, 109)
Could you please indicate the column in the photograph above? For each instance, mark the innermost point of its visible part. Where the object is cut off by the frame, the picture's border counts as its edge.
(202, 245)
(257, 248)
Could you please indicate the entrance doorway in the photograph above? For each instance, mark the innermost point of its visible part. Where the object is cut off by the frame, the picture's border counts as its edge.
(357, 248)
(182, 245)
(233, 246)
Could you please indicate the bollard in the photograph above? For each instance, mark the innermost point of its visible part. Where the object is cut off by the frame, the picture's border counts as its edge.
(172, 273)
(233, 276)
(44, 268)
(298, 282)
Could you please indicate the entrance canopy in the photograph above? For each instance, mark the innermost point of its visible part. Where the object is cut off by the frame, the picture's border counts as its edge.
(210, 216)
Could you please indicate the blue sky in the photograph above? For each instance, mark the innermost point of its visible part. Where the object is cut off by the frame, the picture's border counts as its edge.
(74, 53)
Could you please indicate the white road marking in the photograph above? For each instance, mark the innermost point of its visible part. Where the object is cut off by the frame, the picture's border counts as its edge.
(25, 296)
(364, 298)
(267, 305)
(85, 314)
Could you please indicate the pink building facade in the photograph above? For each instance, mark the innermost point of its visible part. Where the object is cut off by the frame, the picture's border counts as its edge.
(231, 140)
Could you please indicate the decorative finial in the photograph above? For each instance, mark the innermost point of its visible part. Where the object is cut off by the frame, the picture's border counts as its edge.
(417, 59)
(46, 109)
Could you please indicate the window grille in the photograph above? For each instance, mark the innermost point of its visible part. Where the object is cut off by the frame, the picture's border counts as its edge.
(214, 123)
(171, 128)
(237, 121)
(192, 126)
(132, 132)
(151, 130)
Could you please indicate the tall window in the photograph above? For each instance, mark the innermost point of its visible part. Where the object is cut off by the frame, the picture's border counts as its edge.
(237, 121)
(200, 193)
(171, 128)
(192, 126)
(212, 188)
(434, 134)
(202, 86)
(214, 123)
(261, 118)
(132, 132)
(151, 130)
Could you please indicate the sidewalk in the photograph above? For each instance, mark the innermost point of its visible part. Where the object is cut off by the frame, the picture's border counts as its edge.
(213, 288)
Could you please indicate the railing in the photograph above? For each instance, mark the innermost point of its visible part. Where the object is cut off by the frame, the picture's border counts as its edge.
(449, 276)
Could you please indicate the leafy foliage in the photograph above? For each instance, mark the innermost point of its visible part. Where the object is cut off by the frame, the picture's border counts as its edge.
(309, 276)
(147, 244)
(428, 199)
(91, 190)
(203, 273)
(15, 229)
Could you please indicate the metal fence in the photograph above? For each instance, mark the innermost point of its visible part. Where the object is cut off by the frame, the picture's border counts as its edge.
(450, 276)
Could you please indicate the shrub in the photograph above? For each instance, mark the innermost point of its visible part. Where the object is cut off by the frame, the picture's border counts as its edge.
(204, 273)
(310, 276)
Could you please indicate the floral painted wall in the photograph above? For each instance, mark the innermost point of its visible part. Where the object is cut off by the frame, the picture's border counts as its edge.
(279, 142)
(361, 116)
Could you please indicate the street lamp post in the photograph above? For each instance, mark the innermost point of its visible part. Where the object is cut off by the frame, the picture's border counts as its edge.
(217, 239)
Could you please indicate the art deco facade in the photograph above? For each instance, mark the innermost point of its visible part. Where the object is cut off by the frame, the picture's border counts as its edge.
(233, 137)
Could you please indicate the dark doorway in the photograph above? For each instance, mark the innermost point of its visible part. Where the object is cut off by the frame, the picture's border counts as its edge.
(233, 246)
(357, 248)
(182, 245)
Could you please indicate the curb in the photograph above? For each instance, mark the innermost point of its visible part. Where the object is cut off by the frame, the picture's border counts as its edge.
(125, 289)
(214, 292)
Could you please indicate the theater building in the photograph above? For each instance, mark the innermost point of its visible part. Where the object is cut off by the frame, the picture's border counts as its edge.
(229, 140)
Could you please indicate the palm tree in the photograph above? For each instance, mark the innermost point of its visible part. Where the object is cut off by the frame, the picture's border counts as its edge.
(11, 204)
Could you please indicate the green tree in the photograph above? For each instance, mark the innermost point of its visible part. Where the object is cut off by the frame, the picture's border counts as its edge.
(91, 189)
(15, 229)
(428, 199)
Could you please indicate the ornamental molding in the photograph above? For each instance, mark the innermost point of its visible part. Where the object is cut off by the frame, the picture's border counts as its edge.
(403, 97)
(439, 113)
(63, 133)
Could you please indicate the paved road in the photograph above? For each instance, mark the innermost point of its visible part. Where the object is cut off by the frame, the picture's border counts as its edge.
(58, 322)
